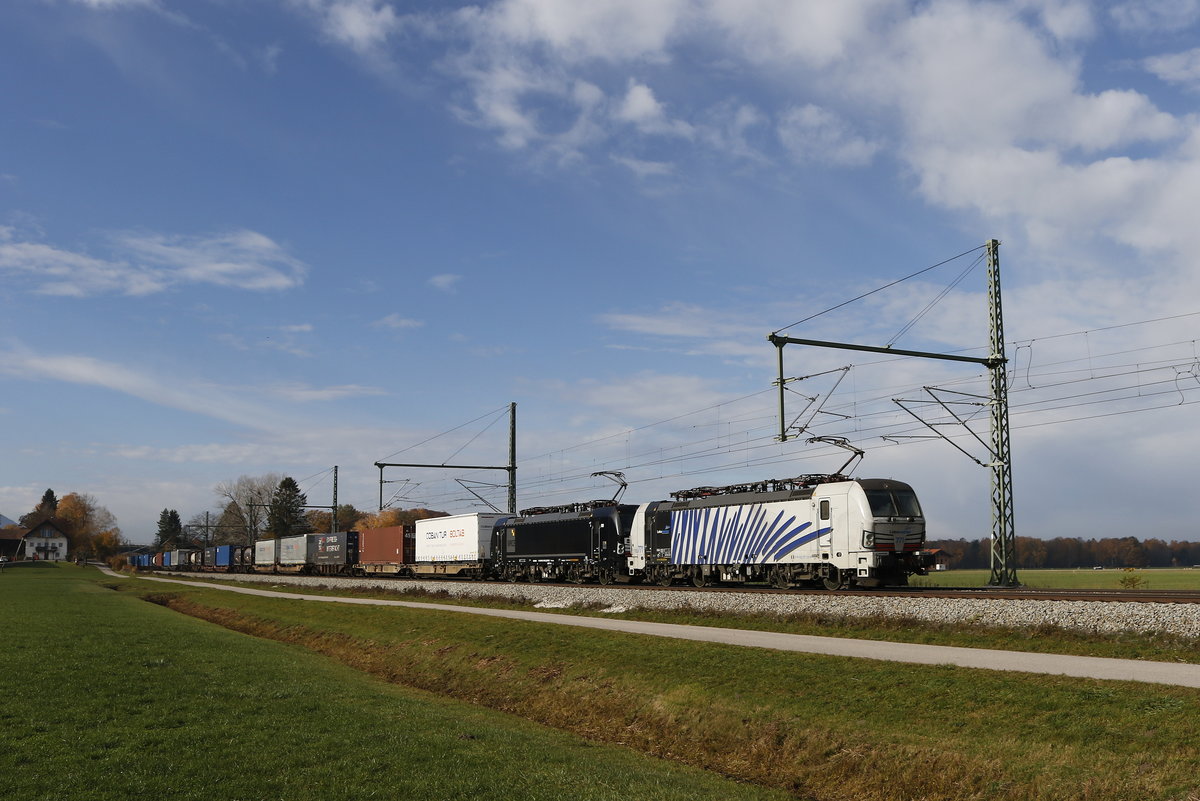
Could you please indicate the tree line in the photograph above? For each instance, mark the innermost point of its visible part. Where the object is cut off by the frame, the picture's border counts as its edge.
(1070, 552)
(270, 506)
(90, 528)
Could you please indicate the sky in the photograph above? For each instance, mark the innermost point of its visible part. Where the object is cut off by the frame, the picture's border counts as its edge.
(274, 237)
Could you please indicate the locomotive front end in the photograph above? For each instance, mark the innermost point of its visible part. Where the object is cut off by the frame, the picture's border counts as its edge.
(893, 531)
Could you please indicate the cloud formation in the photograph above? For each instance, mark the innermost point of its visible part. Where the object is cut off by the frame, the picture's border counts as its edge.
(145, 264)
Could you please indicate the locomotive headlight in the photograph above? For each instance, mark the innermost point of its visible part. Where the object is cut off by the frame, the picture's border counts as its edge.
(868, 539)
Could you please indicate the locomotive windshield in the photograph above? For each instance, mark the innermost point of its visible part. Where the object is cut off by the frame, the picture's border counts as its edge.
(893, 503)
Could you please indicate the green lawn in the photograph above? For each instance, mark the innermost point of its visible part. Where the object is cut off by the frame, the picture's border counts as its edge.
(105, 696)
(1158, 578)
(824, 728)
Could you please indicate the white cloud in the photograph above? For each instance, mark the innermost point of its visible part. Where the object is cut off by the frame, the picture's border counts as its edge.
(201, 399)
(814, 135)
(144, 264)
(446, 282)
(303, 393)
(617, 30)
(1066, 20)
(1155, 15)
(364, 26)
(641, 109)
(645, 169)
(239, 259)
(976, 76)
(785, 32)
(396, 321)
(113, 4)
(645, 396)
(1179, 68)
(696, 330)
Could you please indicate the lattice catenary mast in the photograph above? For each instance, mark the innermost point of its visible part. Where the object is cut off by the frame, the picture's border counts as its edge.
(1003, 555)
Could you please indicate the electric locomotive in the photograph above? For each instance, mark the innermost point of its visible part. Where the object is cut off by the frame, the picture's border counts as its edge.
(826, 529)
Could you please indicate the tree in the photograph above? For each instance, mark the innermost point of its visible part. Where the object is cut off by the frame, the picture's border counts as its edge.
(93, 529)
(170, 531)
(45, 509)
(348, 516)
(244, 506)
(386, 518)
(285, 517)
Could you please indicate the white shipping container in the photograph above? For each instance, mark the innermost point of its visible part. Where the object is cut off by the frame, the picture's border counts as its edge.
(458, 538)
(264, 552)
(293, 550)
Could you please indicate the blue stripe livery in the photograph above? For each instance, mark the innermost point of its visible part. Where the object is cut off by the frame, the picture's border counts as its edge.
(726, 535)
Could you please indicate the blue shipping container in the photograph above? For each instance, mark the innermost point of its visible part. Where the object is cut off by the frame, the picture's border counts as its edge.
(224, 556)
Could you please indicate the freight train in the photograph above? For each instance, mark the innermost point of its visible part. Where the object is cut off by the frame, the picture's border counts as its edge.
(824, 530)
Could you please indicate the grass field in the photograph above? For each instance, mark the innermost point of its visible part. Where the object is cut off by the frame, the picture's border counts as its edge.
(1159, 578)
(819, 727)
(104, 696)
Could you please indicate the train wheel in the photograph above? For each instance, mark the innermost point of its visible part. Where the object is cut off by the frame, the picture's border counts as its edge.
(835, 580)
(699, 579)
(604, 576)
(779, 579)
(664, 579)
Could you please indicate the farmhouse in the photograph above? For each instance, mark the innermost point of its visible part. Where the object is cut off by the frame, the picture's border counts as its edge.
(47, 540)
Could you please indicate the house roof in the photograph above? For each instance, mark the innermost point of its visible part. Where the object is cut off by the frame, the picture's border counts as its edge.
(50, 527)
(13, 532)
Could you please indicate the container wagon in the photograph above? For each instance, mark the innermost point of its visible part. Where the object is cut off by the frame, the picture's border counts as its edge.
(459, 545)
(332, 554)
(388, 551)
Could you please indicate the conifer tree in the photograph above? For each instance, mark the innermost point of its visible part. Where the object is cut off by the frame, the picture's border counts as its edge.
(286, 516)
(170, 530)
(45, 510)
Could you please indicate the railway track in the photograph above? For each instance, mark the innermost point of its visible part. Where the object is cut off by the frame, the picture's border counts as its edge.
(974, 593)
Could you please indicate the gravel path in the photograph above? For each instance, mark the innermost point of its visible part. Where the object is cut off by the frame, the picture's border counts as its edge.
(1088, 616)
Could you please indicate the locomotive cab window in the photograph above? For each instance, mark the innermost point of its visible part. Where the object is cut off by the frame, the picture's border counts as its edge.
(825, 509)
(893, 503)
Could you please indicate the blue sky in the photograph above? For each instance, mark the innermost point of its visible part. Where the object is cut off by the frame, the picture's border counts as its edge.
(241, 238)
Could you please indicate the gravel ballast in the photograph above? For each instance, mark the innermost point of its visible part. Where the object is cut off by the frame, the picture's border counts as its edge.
(1088, 616)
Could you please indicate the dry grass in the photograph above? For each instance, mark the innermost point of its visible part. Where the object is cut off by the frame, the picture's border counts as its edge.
(830, 755)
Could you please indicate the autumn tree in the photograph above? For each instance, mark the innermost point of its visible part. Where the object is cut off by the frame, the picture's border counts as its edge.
(285, 516)
(93, 529)
(386, 518)
(347, 518)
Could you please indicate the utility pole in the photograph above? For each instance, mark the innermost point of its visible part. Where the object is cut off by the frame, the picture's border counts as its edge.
(511, 467)
(1003, 555)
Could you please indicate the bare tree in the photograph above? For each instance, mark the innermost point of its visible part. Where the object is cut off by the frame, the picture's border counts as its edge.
(245, 503)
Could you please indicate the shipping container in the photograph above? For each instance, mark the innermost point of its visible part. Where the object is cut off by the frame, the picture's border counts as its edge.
(387, 550)
(265, 553)
(159, 559)
(337, 549)
(463, 539)
(222, 557)
(293, 551)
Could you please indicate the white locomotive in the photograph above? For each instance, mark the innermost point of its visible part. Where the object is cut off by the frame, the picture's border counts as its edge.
(826, 529)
